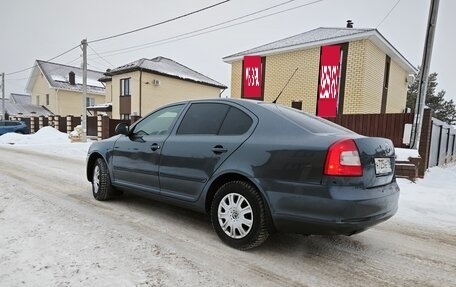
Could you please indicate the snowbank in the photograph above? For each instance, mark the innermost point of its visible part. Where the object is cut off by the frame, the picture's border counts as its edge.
(46, 135)
(47, 140)
(403, 154)
(430, 201)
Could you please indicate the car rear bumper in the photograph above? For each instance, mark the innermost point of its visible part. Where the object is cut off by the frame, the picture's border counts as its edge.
(339, 210)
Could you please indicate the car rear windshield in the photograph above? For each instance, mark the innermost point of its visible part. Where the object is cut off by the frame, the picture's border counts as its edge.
(311, 123)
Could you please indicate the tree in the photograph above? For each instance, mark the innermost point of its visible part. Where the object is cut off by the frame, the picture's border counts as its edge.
(442, 109)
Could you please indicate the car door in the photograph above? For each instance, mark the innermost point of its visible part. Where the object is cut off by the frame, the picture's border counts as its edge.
(207, 135)
(136, 156)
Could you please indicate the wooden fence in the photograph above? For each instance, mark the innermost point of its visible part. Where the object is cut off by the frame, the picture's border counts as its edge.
(389, 126)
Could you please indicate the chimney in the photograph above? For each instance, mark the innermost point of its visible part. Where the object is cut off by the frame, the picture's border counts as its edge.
(71, 78)
(349, 24)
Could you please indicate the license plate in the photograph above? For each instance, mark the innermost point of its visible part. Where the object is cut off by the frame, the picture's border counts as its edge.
(382, 166)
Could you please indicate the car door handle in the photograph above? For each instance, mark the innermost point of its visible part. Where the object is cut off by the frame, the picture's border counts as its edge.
(218, 149)
(154, 147)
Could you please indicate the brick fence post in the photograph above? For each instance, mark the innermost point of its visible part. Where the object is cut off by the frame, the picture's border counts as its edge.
(50, 120)
(68, 124)
(425, 142)
(99, 127)
(57, 122)
(40, 122)
(32, 124)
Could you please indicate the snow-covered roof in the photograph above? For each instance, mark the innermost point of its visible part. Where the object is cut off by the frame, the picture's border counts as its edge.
(326, 36)
(20, 98)
(101, 107)
(166, 67)
(26, 110)
(57, 75)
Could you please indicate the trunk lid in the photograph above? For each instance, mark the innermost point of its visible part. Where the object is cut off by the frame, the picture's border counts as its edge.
(377, 159)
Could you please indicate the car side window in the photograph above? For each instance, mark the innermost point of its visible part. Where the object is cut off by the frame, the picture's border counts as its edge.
(236, 123)
(203, 119)
(157, 123)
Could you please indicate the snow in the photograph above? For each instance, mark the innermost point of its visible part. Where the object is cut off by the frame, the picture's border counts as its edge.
(78, 80)
(59, 78)
(45, 135)
(53, 233)
(430, 201)
(403, 154)
(90, 82)
(47, 140)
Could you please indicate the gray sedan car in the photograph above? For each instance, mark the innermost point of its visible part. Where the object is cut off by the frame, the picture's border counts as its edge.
(254, 167)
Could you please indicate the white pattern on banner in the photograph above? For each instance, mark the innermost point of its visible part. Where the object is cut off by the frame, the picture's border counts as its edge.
(251, 75)
(329, 82)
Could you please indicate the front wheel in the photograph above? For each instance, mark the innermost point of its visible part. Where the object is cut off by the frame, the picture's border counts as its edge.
(239, 215)
(101, 181)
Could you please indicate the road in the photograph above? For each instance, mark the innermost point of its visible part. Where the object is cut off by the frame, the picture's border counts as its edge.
(53, 233)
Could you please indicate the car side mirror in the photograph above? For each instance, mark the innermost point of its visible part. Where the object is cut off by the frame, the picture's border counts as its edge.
(122, 129)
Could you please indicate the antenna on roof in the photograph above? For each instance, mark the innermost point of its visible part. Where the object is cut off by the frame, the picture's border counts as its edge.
(285, 86)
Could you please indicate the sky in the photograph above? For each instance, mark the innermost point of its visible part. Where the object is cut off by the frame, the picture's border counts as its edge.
(42, 29)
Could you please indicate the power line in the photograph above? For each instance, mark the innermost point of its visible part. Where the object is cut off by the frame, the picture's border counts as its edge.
(109, 63)
(178, 37)
(159, 23)
(201, 29)
(387, 15)
(23, 70)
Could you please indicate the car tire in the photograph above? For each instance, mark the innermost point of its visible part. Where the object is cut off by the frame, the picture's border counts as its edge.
(101, 181)
(239, 215)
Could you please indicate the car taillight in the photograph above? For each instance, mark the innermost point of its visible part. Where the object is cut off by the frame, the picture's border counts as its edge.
(343, 159)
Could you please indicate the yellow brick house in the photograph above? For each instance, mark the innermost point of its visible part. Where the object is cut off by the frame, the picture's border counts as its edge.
(58, 88)
(371, 74)
(139, 87)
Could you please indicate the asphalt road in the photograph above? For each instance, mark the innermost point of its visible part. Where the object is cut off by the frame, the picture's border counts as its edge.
(53, 233)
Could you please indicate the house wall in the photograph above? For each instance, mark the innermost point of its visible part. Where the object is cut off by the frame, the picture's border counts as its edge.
(363, 81)
(115, 92)
(172, 90)
(374, 73)
(354, 79)
(236, 79)
(70, 103)
(108, 92)
(279, 69)
(304, 84)
(169, 90)
(41, 88)
(61, 102)
(397, 91)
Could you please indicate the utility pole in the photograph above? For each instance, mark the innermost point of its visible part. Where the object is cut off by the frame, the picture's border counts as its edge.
(426, 62)
(84, 90)
(3, 96)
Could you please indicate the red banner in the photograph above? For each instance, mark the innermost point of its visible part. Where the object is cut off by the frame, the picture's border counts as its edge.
(252, 76)
(328, 88)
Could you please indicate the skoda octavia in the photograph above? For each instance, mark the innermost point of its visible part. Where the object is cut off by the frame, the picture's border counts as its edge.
(253, 167)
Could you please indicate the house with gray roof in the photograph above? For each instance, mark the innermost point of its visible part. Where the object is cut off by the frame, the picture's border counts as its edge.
(59, 88)
(143, 85)
(19, 105)
(331, 71)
